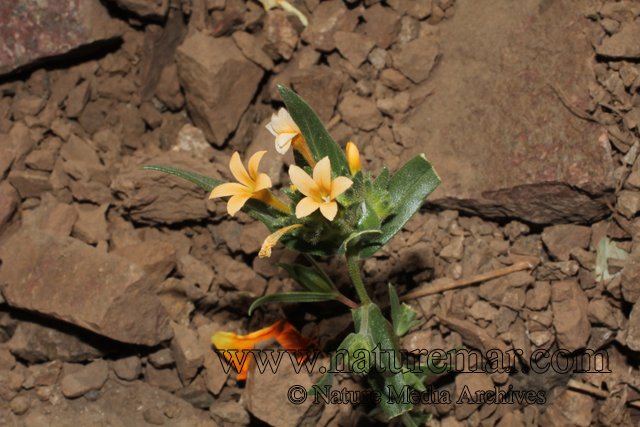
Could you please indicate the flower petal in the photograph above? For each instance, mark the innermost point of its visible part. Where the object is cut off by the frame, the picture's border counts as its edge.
(270, 129)
(236, 203)
(283, 125)
(304, 183)
(339, 186)
(284, 114)
(306, 207)
(254, 161)
(322, 176)
(238, 170)
(353, 157)
(329, 210)
(229, 189)
(283, 142)
(262, 182)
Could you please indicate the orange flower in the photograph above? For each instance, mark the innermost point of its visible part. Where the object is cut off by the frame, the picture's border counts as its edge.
(288, 134)
(282, 331)
(250, 186)
(271, 241)
(353, 156)
(320, 191)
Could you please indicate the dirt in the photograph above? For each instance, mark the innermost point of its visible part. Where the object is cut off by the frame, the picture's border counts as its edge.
(113, 279)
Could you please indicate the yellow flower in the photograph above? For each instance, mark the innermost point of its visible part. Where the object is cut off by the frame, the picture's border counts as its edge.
(250, 186)
(288, 134)
(284, 332)
(320, 191)
(271, 241)
(353, 156)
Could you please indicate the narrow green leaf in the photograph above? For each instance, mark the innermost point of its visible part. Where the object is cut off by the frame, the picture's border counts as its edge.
(321, 144)
(394, 393)
(327, 379)
(395, 306)
(307, 278)
(408, 189)
(202, 180)
(292, 297)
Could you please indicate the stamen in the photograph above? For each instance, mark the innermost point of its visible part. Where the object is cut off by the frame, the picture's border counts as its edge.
(326, 199)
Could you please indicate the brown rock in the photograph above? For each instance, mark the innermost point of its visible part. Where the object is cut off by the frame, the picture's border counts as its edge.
(420, 9)
(20, 405)
(533, 179)
(178, 306)
(320, 87)
(557, 270)
(394, 79)
(7, 361)
(165, 379)
(329, 17)
(281, 33)
(25, 105)
(622, 44)
(576, 406)
(78, 99)
(360, 113)
(44, 374)
(151, 9)
(214, 375)
(51, 216)
(122, 233)
(382, 25)
(128, 368)
(538, 297)
(473, 335)
(495, 290)
(7, 155)
(396, 104)
(117, 303)
(230, 412)
(628, 203)
(91, 226)
(240, 276)
(87, 378)
(631, 277)
(561, 239)
(196, 271)
(35, 342)
(156, 258)
(30, 183)
(42, 33)
(570, 319)
(353, 46)
(186, 352)
(92, 191)
(7, 207)
(416, 58)
(252, 237)
(42, 160)
(150, 115)
(161, 358)
(219, 83)
(252, 49)
(191, 140)
(168, 90)
(466, 386)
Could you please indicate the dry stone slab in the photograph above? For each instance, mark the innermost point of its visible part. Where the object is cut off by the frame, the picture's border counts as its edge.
(71, 281)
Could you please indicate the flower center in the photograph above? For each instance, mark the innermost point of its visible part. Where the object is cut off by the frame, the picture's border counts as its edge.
(326, 199)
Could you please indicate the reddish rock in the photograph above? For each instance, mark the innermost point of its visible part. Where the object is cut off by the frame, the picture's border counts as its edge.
(214, 375)
(91, 226)
(320, 87)
(543, 176)
(327, 18)
(156, 258)
(353, 46)
(33, 33)
(219, 83)
(87, 378)
(196, 271)
(7, 207)
(51, 216)
(570, 314)
(186, 352)
(382, 25)
(128, 368)
(152, 9)
(561, 239)
(252, 49)
(56, 275)
(168, 90)
(360, 113)
(281, 33)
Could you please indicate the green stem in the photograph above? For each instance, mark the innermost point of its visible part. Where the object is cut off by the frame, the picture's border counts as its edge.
(354, 272)
(326, 277)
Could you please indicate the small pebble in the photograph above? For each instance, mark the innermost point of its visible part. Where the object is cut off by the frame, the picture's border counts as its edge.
(20, 405)
(153, 416)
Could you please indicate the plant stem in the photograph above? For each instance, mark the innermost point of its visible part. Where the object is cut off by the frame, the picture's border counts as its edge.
(354, 272)
(346, 301)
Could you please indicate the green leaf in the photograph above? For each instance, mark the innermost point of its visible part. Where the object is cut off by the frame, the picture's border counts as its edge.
(203, 181)
(321, 144)
(327, 379)
(292, 297)
(369, 225)
(393, 391)
(307, 278)
(403, 316)
(408, 189)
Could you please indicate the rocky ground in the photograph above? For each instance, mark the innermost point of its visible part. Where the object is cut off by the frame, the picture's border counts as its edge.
(113, 279)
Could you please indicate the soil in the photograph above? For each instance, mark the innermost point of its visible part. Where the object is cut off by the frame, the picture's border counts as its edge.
(113, 279)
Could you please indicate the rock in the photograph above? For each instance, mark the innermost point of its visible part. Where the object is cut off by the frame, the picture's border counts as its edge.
(353, 46)
(628, 203)
(454, 250)
(10, 384)
(622, 44)
(42, 160)
(168, 90)
(466, 386)
(250, 47)
(396, 104)
(150, 115)
(30, 183)
(93, 191)
(165, 379)
(196, 271)
(156, 258)
(151, 9)
(382, 25)
(557, 270)
(252, 237)
(56, 275)
(191, 140)
(538, 297)
(420, 9)
(281, 33)
(394, 79)
(238, 275)
(576, 406)
(219, 83)
(161, 358)
(91, 226)
(360, 113)
(329, 17)
(186, 352)
(77, 99)
(87, 378)
(7, 361)
(25, 105)
(128, 368)
(178, 305)
(473, 335)
(45, 374)
(320, 87)
(533, 180)
(416, 58)
(39, 33)
(158, 197)
(51, 216)
(35, 342)
(214, 375)
(154, 416)
(570, 319)
(230, 412)
(20, 405)
(630, 282)
(561, 239)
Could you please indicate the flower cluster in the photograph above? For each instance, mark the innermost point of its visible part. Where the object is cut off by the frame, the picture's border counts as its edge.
(319, 188)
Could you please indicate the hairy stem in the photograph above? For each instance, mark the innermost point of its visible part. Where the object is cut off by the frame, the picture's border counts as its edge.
(354, 272)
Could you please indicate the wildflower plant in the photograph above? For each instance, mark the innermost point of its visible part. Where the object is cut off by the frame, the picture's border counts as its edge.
(334, 209)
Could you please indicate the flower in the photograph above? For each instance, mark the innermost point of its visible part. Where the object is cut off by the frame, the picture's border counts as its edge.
(353, 156)
(284, 332)
(250, 185)
(320, 191)
(288, 134)
(271, 241)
